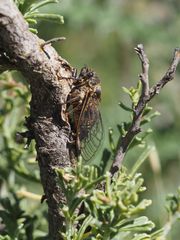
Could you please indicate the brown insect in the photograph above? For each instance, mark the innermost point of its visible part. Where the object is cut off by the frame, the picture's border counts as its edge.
(84, 101)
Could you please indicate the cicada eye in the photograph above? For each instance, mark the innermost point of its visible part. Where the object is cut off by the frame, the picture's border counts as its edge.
(90, 74)
(98, 92)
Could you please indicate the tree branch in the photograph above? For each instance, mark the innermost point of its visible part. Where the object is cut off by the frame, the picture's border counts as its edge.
(49, 86)
(146, 95)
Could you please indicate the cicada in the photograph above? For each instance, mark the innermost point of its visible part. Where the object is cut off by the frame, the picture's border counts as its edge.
(84, 100)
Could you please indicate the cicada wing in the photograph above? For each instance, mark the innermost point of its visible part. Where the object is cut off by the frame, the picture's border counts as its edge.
(90, 130)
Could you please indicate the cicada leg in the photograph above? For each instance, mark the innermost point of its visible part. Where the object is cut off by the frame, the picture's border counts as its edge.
(71, 101)
(74, 108)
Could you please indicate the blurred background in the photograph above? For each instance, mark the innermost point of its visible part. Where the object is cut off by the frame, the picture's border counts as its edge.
(102, 34)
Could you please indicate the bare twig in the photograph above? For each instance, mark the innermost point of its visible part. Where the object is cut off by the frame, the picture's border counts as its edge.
(146, 95)
(53, 40)
(50, 42)
(145, 68)
(169, 75)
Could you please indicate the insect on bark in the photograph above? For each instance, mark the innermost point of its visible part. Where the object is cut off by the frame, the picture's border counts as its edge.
(83, 103)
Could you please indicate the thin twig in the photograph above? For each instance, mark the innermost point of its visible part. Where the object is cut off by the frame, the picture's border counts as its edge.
(49, 42)
(53, 40)
(146, 95)
(144, 78)
(169, 75)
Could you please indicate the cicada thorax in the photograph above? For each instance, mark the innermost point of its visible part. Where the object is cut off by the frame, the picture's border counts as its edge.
(86, 116)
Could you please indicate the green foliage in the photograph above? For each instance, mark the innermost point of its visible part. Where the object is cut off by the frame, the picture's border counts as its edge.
(17, 224)
(17, 165)
(14, 157)
(134, 95)
(5, 238)
(119, 211)
(111, 207)
(30, 11)
(173, 203)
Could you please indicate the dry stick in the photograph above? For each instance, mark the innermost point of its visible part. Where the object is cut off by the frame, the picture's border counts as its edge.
(53, 40)
(146, 95)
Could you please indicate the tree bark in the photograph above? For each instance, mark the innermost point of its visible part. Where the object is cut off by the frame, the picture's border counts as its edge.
(50, 81)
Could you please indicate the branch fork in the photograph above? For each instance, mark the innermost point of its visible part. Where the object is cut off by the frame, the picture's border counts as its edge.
(146, 95)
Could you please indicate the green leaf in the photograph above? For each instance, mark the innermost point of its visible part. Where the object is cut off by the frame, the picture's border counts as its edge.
(31, 21)
(135, 97)
(137, 141)
(139, 224)
(9, 221)
(48, 17)
(123, 128)
(142, 236)
(24, 5)
(126, 108)
(147, 110)
(6, 237)
(111, 140)
(141, 206)
(126, 90)
(40, 4)
(33, 30)
(159, 233)
(87, 222)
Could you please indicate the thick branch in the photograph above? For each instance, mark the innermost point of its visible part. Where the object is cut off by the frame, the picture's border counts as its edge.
(146, 95)
(49, 87)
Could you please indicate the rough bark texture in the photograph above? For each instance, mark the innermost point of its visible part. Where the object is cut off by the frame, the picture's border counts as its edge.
(20, 49)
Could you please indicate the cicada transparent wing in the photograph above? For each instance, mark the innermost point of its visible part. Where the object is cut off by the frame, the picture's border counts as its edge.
(90, 130)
